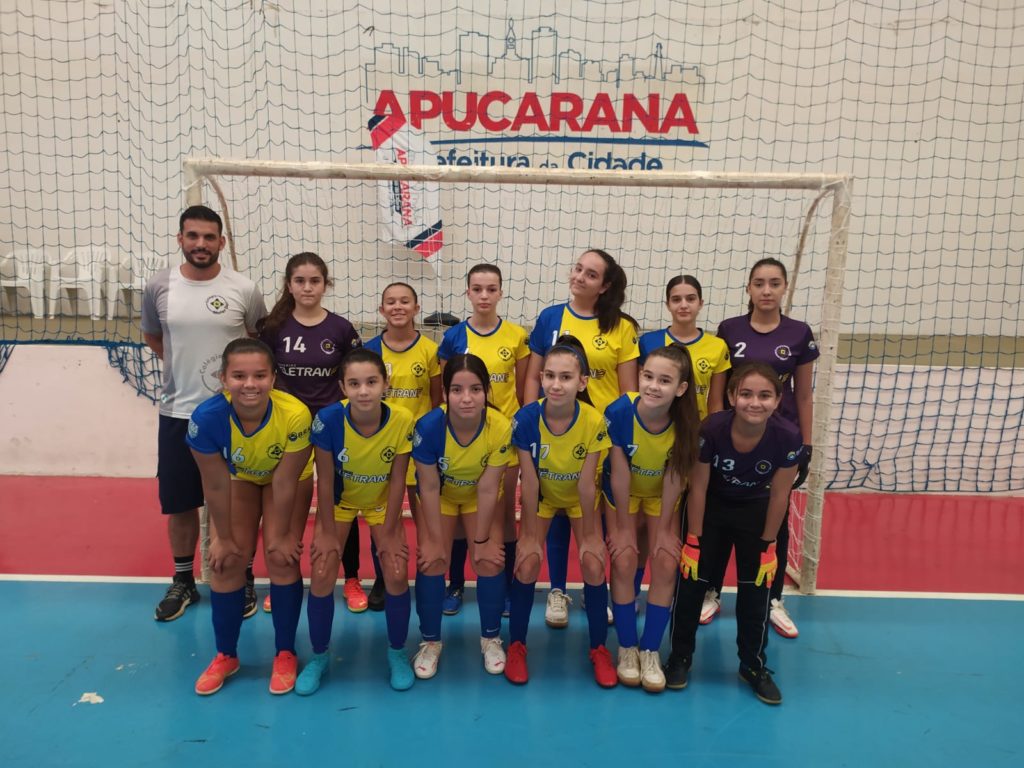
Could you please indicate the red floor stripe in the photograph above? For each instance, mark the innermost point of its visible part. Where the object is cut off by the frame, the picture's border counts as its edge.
(902, 542)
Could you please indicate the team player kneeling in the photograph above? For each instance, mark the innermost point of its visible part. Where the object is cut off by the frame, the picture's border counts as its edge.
(628, 478)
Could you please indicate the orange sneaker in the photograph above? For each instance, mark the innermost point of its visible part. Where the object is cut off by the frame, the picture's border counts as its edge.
(286, 667)
(516, 670)
(604, 670)
(266, 604)
(354, 595)
(212, 680)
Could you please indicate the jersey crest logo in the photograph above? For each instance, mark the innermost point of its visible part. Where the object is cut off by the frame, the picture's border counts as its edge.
(237, 457)
(703, 365)
(505, 353)
(217, 304)
(327, 347)
(193, 429)
(418, 369)
(580, 451)
(763, 467)
(600, 342)
(783, 352)
(318, 426)
(602, 436)
(791, 456)
(275, 451)
(388, 454)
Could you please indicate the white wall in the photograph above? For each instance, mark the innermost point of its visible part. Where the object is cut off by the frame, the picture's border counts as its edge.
(65, 411)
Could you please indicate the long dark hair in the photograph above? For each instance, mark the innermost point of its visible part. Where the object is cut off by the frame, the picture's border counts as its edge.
(567, 344)
(465, 362)
(609, 304)
(768, 261)
(683, 412)
(244, 346)
(285, 305)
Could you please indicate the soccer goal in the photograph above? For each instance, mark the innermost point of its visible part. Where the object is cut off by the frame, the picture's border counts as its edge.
(533, 222)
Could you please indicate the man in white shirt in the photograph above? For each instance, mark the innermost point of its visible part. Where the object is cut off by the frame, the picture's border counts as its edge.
(189, 313)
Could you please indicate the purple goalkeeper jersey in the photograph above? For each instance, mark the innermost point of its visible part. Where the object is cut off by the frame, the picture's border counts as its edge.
(308, 358)
(791, 344)
(747, 476)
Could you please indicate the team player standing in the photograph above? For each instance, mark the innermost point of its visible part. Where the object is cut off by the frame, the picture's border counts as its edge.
(609, 455)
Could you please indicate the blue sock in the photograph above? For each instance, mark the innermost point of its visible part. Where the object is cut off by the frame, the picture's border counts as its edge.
(378, 574)
(597, 613)
(226, 609)
(510, 563)
(654, 626)
(429, 597)
(522, 603)
(490, 596)
(397, 609)
(320, 615)
(457, 568)
(638, 580)
(625, 623)
(558, 551)
(287, 602)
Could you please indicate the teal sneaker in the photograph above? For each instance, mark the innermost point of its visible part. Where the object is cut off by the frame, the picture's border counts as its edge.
(402, 676)
(308, 681)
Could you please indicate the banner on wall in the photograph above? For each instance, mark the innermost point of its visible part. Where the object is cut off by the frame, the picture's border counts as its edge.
(410, 210)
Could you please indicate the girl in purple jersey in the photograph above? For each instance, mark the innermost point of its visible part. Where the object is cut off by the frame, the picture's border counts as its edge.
(765, 335)
(738, 496)
(309, 343)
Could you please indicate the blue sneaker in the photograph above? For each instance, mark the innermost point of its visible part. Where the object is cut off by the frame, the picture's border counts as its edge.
(507, 610)
(452, 601)
(402, 676)
(308, 681)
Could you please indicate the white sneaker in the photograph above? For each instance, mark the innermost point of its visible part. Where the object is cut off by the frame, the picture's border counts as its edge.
(712, 605)
(780, 619)
(611, 616)
(494, 655)
(652, 677)
(557, 612)
(629, 666)
(424, 663)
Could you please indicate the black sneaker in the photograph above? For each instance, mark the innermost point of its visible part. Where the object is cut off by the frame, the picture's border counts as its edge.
(677, 672)
(375, 600)
(250, 599)
(180, 595)
(762, 684)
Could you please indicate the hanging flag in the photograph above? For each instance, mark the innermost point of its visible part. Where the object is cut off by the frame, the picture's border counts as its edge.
(410, 210)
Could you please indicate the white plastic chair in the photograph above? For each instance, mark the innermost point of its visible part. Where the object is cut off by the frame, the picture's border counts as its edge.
(84, 270)
(128, 276)
(23, 268)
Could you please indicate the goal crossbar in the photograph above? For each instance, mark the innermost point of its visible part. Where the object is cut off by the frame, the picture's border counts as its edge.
(196, 170)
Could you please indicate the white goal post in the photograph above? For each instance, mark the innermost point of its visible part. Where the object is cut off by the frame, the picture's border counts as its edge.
(804, 561)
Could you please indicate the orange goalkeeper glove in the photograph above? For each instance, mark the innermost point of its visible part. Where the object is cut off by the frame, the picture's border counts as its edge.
(769, 565)
(690, 557)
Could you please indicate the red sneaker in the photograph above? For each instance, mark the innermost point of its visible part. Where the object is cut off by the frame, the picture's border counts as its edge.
(354, 595)
(212, 680)
(515, 664)
(604, 669)
(286, 667)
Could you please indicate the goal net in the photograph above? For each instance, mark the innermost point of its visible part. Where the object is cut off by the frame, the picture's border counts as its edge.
(534, 223)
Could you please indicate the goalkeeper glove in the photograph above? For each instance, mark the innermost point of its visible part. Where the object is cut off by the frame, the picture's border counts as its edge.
(769, 564)
(690, 557)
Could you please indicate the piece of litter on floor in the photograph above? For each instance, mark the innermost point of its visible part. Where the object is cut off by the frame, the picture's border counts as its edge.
(89, 697)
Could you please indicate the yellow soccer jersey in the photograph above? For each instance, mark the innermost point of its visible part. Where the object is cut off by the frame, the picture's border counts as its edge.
(362, 465)
(409, 372)
(710, 355)
(605, 352)
(500, 350)
(460, 466)
(559, 459)
(647, 452)
(214, 428)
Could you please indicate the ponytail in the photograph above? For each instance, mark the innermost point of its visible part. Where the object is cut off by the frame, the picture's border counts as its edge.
(609, 304)
(683, 413)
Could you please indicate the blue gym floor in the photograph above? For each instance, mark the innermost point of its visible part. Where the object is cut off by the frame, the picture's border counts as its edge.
(870, 681)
